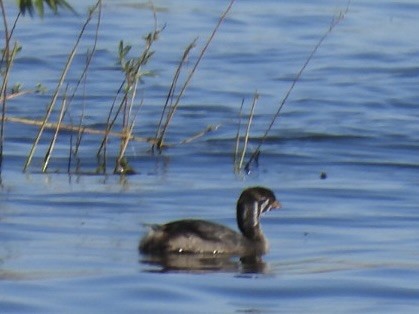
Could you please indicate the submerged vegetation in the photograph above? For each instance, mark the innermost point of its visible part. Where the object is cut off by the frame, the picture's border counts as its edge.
(121, 118)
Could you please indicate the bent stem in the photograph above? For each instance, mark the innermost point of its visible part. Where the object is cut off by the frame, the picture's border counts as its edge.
(132, 69)
(101, 154)
(83, 78)
(237, 147)
(160, 139)
(170, 97)
(122, 166)
(333, 24)
(58, 87)
(247, 134)
(9, 57)
(54, 138)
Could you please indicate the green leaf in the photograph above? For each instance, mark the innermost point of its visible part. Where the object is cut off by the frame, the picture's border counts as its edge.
(16, 88)
(29, 6)
(39, 4)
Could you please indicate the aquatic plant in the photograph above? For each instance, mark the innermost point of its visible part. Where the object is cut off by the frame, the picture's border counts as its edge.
(10, 51)
(133, 72)
(38, 5)
(240, 152)
(56, 94)
(162, 127)
(6, 63)
(256, 153)
(124, 107)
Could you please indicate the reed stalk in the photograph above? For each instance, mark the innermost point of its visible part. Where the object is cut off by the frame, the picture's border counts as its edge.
(101, 153)
(15, 50)
(83, 78)
(54, 138)
(72, 128)
(247, 133)
(237, 147)
(125, 110)
(335, 21)
(132, 69)
(171, 92)
(121, 165)
(6, 55)
(7, 59)
(163, 130)
(18, 94)
(58, 87)
(208, 129)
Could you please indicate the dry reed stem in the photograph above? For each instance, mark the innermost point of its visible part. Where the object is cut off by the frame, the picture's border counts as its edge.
(125, 141)
(210, 128)
(119, 167)
(109, 126)
(9, 61)
(86, 130)
(170, 94)
(57, 89)
(249, 123)
(17, 94)
(54, 138)
(5, 56)
(90, 54)
(333, 24)
(237, 147)
(72, 128)
(81, 79)
(7, 35)
(189, 77)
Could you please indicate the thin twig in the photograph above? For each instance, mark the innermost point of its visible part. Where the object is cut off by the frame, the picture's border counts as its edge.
(237, 147)
(133, 72)
(210, 128)
(124, 143)
(57, 89)
(54, 138)
(72, 128)
(83, 78)
(119, 167)
(4, 96)
(107, 133)
(333, 24)
(249, 123)
(109, 124)
(189, 77)
(170, 94)
(7, 34)
(90, 55)
(18, 94)
(5, 56)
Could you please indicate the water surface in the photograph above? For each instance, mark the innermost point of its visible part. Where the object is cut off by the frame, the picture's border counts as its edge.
(344, 244)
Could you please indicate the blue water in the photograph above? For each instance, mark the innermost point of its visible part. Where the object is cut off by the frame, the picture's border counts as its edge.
(344, 244)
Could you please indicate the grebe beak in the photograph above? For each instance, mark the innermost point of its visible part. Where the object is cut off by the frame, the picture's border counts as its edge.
(276, 205)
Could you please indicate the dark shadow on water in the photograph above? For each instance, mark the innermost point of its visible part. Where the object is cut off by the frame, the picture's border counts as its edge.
(204, 263)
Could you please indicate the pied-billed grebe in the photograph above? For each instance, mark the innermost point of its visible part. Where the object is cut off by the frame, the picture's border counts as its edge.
(200, 236)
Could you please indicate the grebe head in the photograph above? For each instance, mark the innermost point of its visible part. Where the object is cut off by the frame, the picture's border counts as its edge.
(251, 204)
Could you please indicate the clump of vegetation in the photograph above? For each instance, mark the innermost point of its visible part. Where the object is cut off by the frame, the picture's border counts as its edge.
(124, 109)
